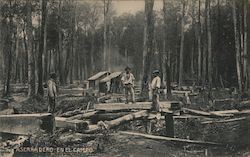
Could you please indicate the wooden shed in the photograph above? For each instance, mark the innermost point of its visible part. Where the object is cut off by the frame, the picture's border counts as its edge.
(95, 79)
(111, 83)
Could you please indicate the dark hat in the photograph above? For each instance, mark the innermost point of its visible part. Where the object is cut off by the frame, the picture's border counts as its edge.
(127, 68)
(156, 72)
(53, 75)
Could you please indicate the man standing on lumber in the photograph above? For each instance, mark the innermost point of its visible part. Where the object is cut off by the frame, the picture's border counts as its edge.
(155, 86)
(128, 83)
(52, 93)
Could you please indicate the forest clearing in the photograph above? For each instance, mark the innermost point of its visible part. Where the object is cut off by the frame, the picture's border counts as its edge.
(124, 78)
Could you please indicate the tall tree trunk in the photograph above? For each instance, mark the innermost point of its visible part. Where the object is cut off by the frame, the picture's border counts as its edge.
(105, 33)
(245, 58)
(41, 49)
(149, 4)
(199, 41)
(237, 45)
(31, 59)
(166, 57)
(8, 49)
(92, 67)
(61, 69)
(182, 45)
(17, 65)
(209, 44)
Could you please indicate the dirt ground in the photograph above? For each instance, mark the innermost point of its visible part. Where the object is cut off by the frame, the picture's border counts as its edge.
(117, 144)
(120, 145)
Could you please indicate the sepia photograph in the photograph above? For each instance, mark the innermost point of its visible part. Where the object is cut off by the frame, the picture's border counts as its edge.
(124, 78)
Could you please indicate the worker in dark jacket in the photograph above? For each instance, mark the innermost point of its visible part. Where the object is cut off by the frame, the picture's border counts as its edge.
(52, 93)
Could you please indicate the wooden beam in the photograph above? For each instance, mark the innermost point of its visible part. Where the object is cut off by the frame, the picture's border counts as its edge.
(137, 105)
(224, 120)
(170, 139)
(76, 125)
(202, 113)
(26, 124)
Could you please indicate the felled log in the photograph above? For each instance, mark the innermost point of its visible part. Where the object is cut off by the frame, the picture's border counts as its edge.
(225, 112)
(76, 138)
(72, 113)
(26, 124)
(82, 116)
(76, 125)
(243, 105)
(137, 105)
(243, 113)
(7, 111)
(110, 124)
(107, 116)
(170, 139)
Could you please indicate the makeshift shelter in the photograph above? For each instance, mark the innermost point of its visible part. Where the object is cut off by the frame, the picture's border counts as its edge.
(111, 83)
(94, 80)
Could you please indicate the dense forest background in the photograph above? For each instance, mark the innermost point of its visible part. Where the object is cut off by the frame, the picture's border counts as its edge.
(200, 40)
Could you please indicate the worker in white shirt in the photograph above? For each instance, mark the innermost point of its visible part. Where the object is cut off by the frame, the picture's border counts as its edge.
(52, 93)
(128, 83)
(155, 86)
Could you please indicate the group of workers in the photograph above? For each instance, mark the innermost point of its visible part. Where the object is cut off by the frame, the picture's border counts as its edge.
(128, 82)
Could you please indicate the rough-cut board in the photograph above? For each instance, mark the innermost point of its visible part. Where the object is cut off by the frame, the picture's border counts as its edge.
(169, 138)
(137, 105)
(202, 113)
(26, 124)
(224, 121)
(76, 125)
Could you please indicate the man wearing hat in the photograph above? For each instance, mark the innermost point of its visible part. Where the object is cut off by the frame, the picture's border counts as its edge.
(155, 86)
(52, 93)
(128, 83)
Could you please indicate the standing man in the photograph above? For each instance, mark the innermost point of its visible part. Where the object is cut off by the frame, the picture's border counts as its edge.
(52, 93)
(155, 86)
(128, 83)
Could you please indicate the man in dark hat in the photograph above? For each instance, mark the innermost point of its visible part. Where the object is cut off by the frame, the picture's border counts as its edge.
(155, 86)
(128, 83)
(52, 93)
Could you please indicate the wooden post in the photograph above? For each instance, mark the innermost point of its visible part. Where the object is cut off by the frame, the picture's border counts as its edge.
(169, 122)
(148, 126)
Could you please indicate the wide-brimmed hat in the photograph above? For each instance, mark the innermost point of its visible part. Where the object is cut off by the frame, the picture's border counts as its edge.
(156, 72)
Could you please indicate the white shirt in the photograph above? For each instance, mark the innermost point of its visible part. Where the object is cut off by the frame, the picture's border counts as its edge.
(52, 92)
(156, 82)
(128, 78)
